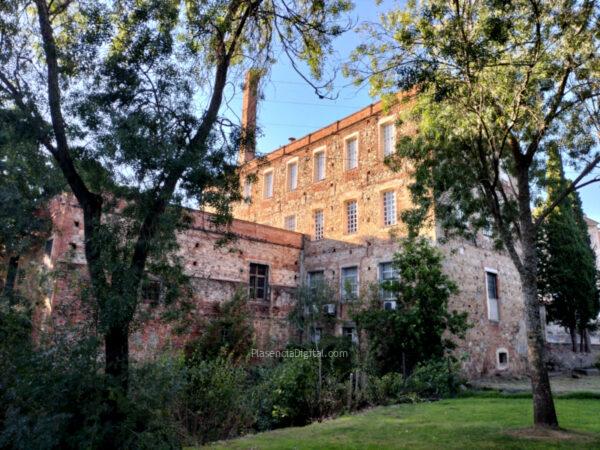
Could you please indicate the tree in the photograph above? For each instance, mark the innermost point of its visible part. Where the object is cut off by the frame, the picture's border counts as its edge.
(126, 96)
(28, 180)
(567, 274)
(497, 84)
(420, 327)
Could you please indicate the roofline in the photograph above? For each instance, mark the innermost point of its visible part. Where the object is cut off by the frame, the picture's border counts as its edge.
(320, 133)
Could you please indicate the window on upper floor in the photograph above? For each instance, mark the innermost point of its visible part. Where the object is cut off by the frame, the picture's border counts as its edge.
(259, 282)
(351, 217)
(351, 153)
(491, 280)
(350, 333)
(292, 175)
(290, 223)
(319, 224)
(388, 138)
(349, 283)
(389, 208)
(247, 190)
(316, 279)
(268, 184)
(319, 161)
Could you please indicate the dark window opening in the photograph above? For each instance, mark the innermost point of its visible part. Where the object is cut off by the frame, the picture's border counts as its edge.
(76, 223)
(73, 246)
(492, 285)
(48, 247)
(259, 281)
(503, 358)
(151, 292)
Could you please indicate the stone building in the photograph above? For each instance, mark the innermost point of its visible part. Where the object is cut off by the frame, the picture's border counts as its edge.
(325, 206)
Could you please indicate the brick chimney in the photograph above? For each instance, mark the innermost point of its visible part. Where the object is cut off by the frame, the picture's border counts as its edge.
(249, 102)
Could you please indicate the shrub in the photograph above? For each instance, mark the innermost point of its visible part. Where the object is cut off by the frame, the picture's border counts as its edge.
(436, 378)
(216, 403)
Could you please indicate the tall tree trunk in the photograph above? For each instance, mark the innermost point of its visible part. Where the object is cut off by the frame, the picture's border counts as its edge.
(544, 413)
(573, 334)
(116, 341)
(11, 275)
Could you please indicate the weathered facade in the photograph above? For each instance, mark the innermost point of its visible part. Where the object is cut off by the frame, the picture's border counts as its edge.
(326, 205)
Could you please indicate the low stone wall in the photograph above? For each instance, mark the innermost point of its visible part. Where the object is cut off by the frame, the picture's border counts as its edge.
(561, 357)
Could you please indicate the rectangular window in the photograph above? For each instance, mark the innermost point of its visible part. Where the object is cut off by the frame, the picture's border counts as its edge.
(268, 187)
(290, 223)
(151, 290)
(259, 281)
(351, 153)
(349, 283)
(389, 208)
(316, 278)
(247, 190)
(350, 333)
(48, 247)
(292, 175)
(319, 225)
(316, 335)
(319, 159)
(388, 138)
(351, 217)
(387, 273)
(492, 296)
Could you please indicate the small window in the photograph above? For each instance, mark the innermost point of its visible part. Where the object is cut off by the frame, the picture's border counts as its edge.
(350, 333)
(268, 187)
(319, 225)
(502, 359)
(349, 287)
(388, 138)
(387, 273)
(389, 208)
(151, 290)
(351, 217)
(492, 296)
(290, 223)
(319, 160)
(247, 190)
(351, 153)
(259, 278)
(292, 175)
(48, 247)
(488, 230)
(316, 279)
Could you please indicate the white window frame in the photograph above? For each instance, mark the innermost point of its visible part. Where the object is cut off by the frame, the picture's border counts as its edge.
(292, 183)
(319, 231)
(499, 365)
(321, 151)
(343, 297)
(386, 295)
(347, 139)
(347, 216)
(489, 300)
(289, 222)
(394, 213)
(248, 189)
(383, 123)
(268, 193)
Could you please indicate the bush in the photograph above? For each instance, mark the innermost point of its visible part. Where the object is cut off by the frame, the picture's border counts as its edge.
(216, 401)
(436, 378)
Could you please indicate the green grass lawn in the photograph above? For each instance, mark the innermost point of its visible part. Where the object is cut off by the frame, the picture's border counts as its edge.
(464, 423)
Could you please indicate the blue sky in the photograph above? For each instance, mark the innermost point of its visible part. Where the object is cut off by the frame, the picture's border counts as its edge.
(290, 107)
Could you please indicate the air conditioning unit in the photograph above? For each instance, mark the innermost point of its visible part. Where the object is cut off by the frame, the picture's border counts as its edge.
(389, 305)
(329, 309)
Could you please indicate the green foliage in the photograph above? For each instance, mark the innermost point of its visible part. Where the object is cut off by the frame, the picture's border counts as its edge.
(216, 404)
(436, 378)
(228, 334)
(419, 328)
(567, 274)
(308, 313)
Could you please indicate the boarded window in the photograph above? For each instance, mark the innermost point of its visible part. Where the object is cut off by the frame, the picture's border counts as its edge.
(292, 176)
(268, 187)
(259, 277)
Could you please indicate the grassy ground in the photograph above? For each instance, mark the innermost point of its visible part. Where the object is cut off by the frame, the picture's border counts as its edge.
(464, 423)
